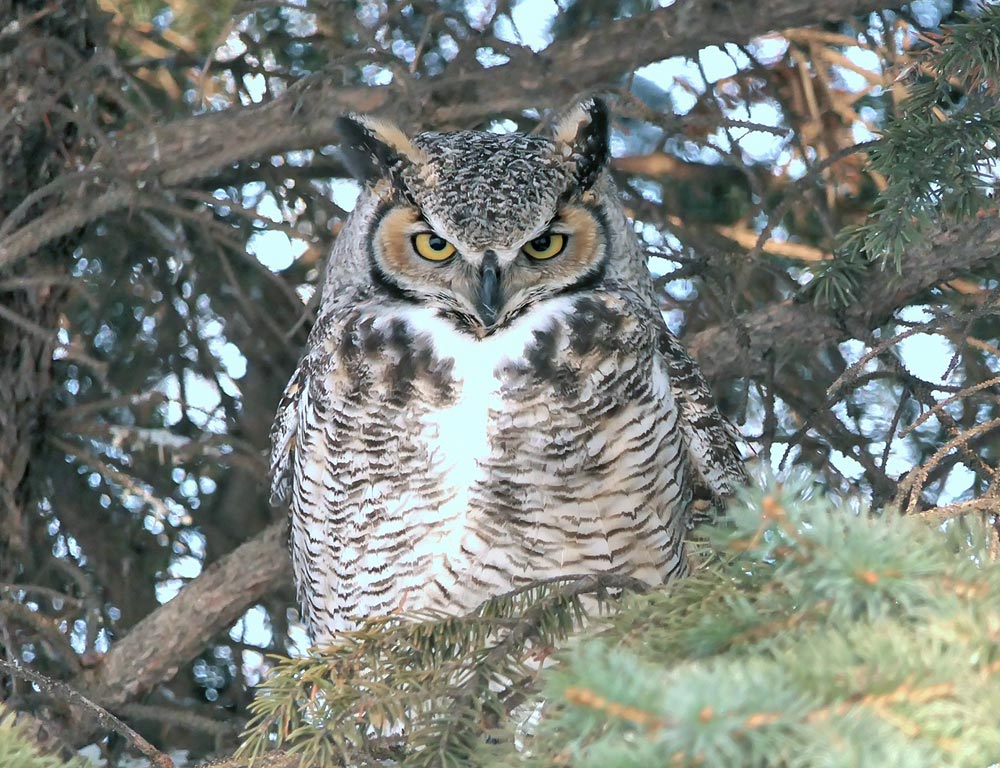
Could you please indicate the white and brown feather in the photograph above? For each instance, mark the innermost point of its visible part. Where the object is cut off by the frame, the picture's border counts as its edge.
(428, 464)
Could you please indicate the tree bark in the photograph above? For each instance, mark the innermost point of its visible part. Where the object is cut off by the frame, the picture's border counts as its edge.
(177, 631)
(37, 146)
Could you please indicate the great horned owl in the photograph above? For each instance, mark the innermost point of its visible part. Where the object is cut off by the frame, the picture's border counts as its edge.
(490, 395)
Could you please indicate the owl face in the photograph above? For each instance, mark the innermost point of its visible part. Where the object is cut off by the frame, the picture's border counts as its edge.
(480, 225)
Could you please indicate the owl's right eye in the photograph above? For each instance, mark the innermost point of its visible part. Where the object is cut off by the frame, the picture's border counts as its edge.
(432, 247)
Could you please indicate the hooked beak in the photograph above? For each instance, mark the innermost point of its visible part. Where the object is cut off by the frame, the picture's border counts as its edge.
(488, 298)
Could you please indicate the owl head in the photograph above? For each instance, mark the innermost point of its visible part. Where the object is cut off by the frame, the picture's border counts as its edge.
(481, 225)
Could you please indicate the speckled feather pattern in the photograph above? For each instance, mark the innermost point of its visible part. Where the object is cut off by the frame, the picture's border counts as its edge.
(474, 184)
(429, 468)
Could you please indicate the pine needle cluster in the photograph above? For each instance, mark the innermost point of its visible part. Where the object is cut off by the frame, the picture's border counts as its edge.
(938, 153)
(823, 637)
(18, 751)
(819, 635)
(422, 689)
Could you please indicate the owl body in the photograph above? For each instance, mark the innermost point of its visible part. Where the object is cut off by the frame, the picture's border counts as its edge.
(490, 396)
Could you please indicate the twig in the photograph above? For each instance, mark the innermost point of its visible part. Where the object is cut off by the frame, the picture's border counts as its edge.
(52, 594)
(573, 586)
(61, 220)
(111, 475)
(914, 483)
(948, 401)
(938, 515)
(70, 351)
(222, 448)
(57, 688)
(857, 367)
(17, 27)
(57, 184)
(219, 729)
(579, 584)
(46, 628)
(779, 213)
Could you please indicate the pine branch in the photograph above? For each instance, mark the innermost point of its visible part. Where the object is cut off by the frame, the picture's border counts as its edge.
(419, 688)
(177, 631)
(19, 750)
(818, 630)
(822, 636)
(939, 152)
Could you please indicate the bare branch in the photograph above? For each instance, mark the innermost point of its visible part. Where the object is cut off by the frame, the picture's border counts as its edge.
(176, 632)
(46, 629)
(786, 329)
(59, 690)
(305, 115)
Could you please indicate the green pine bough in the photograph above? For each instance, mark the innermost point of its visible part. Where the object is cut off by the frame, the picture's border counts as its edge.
(938, 154)
(817, 634)
(823, 637)
(18, 751)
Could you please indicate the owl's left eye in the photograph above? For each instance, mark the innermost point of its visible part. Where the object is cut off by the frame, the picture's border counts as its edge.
(545, 246)
(432, 247)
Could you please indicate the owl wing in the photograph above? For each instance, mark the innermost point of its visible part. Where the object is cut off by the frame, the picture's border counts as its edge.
(301, 412)
(712, 441)
(283, 435)
(303, 438)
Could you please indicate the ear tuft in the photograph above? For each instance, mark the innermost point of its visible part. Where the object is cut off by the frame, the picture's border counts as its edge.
(581, 135)
(375, 149)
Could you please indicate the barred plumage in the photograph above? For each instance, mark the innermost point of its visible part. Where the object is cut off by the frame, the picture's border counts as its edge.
(502, 406)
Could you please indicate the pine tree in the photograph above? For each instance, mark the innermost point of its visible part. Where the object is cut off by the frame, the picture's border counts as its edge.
(824, 637)
(139, 181)
(18, 751)
(819, 631)
(817, 634)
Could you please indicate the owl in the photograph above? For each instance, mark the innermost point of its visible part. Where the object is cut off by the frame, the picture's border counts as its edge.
(489, 395)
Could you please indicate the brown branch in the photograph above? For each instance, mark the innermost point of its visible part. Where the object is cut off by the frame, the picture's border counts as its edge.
(913, 485)
(182, 718)
(528, 625)
(70, 351)
(58, 690)
(53, 595)
(192, 148)
(46, 629)
(559, 73)
(938, 407)
(787, 329)
(175, 633)
(60, 220)
(276, 759)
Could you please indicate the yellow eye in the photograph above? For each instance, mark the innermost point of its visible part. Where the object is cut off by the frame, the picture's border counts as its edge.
(545, 246)
(432, 247)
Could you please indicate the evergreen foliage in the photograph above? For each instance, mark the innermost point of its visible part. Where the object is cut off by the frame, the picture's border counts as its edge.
(16, 751)
(938, 152)
(437, 678)
(197, 145)
(821, 637)
(818, 634)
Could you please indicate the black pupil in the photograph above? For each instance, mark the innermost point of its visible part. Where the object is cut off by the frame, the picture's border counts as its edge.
(437, 243)
(541, 243)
